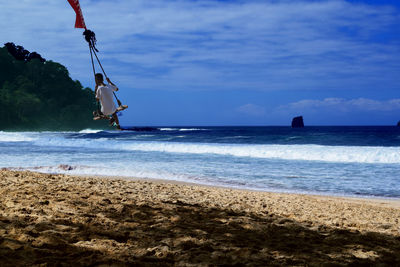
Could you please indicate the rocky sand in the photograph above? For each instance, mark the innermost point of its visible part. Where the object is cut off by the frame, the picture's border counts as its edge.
(62, 220)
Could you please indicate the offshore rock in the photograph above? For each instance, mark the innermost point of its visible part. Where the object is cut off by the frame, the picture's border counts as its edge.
(398, 124)
(298, 122)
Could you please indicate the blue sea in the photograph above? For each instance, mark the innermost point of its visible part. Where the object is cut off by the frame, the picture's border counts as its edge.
(345, 161)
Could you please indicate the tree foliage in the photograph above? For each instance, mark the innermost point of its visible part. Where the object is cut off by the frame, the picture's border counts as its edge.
(20, 53)
(36, 94)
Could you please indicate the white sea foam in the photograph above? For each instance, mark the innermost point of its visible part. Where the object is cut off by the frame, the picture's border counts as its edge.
(89, 131)
(181, 129)
(110, 171)
(15, 137)
(191, 129)
(285, 152)
(345, 154)
(169, 129)
(266, 184)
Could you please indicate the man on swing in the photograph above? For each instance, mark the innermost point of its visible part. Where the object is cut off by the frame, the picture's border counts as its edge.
(104, 94)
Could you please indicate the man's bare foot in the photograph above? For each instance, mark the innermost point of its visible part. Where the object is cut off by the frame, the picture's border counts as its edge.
(122, 107)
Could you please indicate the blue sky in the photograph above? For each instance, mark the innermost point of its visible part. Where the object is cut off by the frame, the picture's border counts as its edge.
(207, 62)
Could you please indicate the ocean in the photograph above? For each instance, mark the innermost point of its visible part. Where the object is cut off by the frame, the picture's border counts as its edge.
(340, 161)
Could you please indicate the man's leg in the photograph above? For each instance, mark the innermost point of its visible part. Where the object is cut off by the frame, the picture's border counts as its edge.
(115, 117)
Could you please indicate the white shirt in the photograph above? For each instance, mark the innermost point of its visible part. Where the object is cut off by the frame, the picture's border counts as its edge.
(105, 95)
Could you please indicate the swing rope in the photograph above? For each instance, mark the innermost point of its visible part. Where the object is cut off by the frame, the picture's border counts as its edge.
(90, 37)
(98, 61)
(94, 76)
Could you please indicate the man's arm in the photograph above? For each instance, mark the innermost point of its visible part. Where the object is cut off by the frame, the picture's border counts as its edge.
(109, 81)
(97, 93)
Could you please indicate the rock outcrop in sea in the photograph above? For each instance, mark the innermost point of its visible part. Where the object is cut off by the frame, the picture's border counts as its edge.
(398, 124)
(298, 122)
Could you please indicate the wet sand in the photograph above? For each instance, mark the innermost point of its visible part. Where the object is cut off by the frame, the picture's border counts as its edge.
(78, 221)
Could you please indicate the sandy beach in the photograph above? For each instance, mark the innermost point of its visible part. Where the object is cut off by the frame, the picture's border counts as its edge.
(78, 221)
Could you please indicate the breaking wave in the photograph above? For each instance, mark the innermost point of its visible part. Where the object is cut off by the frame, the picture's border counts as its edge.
(307, 152)
(181, 129)
(14, 137)
(344, 154)
(89, 131)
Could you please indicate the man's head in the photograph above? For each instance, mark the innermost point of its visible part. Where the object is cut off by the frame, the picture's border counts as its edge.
(99, 78)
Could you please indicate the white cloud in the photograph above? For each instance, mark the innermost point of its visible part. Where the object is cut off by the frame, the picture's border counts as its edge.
(256, 45)
(341, 105)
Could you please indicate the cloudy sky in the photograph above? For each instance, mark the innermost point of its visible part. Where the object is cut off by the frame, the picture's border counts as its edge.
(209, 62)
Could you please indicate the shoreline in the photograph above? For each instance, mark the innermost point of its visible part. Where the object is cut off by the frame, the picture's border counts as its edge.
(373, 200)
(81, 220)
(393, 200)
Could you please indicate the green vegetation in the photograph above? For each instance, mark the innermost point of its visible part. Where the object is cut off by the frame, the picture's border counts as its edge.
(36, 94)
